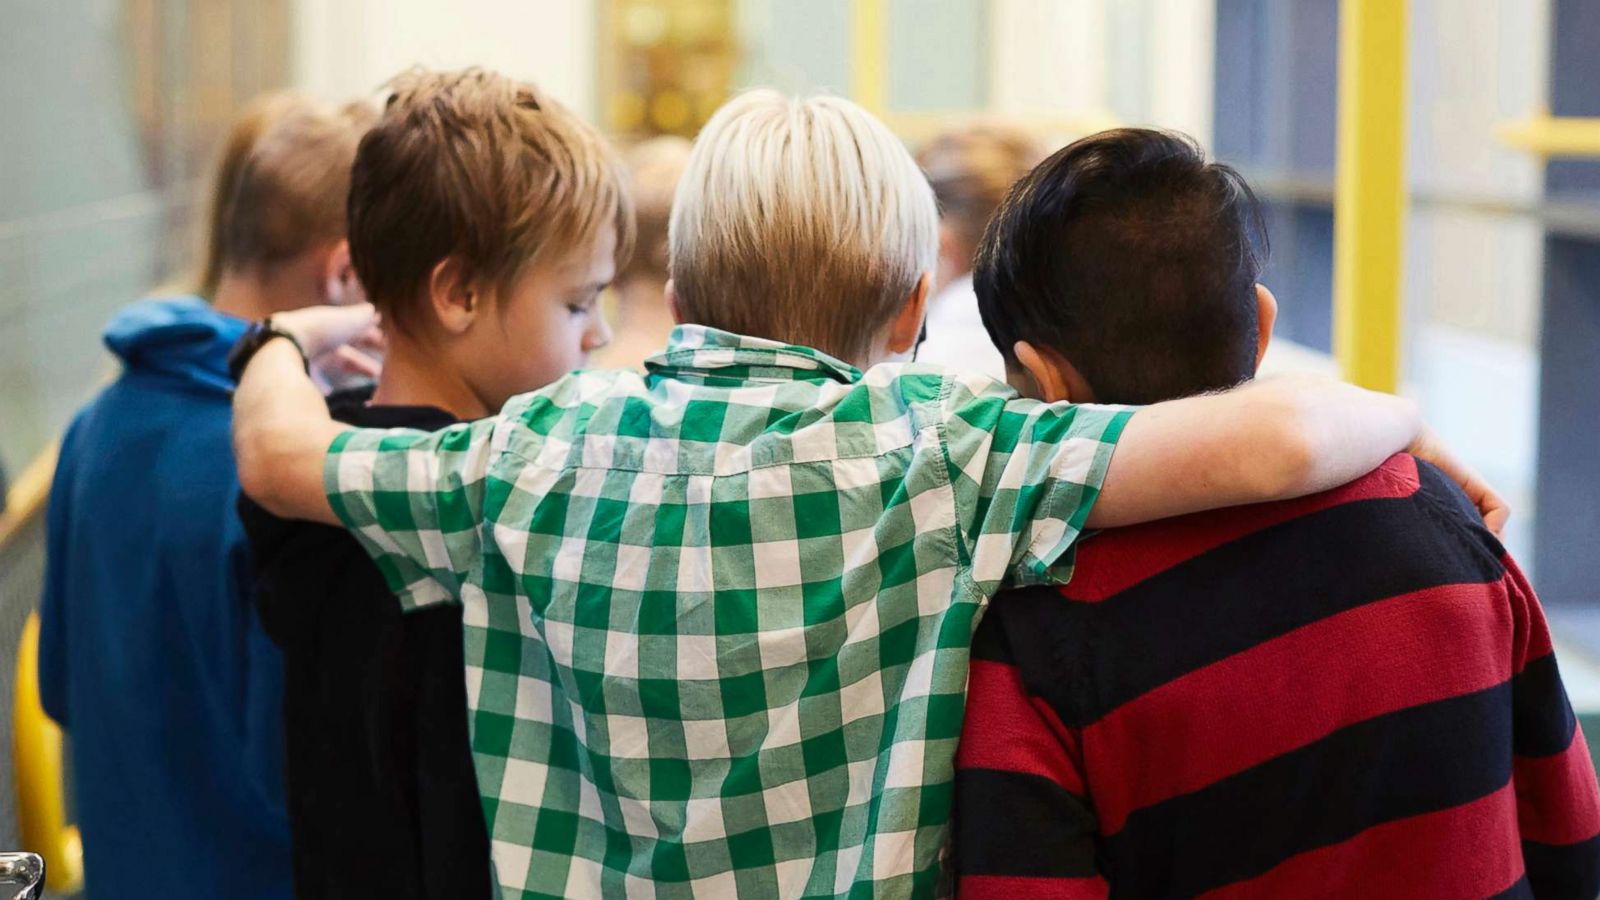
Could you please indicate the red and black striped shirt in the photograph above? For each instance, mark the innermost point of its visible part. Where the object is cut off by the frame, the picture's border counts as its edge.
(1352, 694)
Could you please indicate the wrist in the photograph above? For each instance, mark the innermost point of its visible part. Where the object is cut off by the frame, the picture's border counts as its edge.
(256, 339)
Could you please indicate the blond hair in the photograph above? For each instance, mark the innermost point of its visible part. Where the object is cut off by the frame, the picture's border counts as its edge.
(280, 184)
(474, 165)
(800, 220)
(972, 169)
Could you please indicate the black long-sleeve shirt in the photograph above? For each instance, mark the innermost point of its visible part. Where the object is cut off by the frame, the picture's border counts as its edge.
(382, 796)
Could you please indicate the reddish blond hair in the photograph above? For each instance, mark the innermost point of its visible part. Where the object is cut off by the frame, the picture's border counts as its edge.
(281, 183)
(474, 165)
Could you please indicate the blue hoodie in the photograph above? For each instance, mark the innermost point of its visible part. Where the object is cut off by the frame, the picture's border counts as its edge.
(150, 655)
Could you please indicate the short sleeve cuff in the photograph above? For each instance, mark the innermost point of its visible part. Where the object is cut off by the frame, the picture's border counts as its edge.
(1077, 476)
(353, 477)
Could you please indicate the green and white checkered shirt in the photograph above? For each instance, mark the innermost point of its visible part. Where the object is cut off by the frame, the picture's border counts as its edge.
(718, 615)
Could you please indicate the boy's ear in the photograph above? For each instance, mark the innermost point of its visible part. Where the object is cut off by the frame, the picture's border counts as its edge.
(907, 325)
(1266, 317)
(340, 285)
(672, 303)
(951, 253)
(453, 295)
(1054, 379)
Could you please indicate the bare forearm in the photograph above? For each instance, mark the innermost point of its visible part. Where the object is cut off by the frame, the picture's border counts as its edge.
(1347, 432)
(1267, 441)
(281, 433)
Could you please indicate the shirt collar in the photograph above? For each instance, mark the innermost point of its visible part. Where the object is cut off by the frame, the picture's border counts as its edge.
(698, 350)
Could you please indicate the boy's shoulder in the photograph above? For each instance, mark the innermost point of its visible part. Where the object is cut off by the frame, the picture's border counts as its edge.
(1403, 503)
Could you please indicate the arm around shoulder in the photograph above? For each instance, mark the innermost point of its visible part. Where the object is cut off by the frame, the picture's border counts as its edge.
(281, 435)
(1270, 440)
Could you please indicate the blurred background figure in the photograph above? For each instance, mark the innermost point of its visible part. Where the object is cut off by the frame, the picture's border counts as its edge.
(150, 656)
(641, 321)
(971, 170)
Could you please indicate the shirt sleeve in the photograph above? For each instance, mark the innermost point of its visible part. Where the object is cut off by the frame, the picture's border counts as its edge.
(1025, 475)
(415, 502)
(1558, 802)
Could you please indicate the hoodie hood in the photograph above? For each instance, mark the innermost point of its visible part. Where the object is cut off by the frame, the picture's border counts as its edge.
(179, 337)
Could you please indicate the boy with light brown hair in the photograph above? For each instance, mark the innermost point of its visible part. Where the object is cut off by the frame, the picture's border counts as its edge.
(485, 220)
(718, 616)
(643, 318)
(971, 168)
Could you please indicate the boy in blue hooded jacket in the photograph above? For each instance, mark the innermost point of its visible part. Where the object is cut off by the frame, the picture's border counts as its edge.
(149, 654)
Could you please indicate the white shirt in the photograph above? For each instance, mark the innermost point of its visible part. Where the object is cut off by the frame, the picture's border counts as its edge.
(956, 337)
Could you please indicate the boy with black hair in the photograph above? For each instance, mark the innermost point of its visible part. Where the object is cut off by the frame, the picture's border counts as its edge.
(1350, 694)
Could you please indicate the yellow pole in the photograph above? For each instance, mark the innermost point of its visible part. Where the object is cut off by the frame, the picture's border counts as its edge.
(869, 50)
(37, 766)
(1370, 191)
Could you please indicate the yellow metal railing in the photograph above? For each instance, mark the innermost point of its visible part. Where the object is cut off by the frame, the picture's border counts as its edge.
(1370, 191)
(37, 761)
(36, 756)
(1554, 136)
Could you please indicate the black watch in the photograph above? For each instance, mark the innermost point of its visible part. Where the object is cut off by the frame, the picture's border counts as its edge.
(255, 337)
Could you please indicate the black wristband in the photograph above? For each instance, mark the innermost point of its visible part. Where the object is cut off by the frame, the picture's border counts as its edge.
(255, 337)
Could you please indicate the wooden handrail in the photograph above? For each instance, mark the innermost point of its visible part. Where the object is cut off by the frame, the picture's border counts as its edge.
(28, 494)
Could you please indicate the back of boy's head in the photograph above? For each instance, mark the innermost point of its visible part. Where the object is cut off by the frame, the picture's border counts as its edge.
(474, 165)
(804, 221)
(279, 188)
(971, 170)
(655, 167)
(1133, 257)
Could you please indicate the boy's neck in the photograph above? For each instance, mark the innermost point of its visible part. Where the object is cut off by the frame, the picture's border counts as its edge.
(412, 376)
(243, 296)
(254, 293)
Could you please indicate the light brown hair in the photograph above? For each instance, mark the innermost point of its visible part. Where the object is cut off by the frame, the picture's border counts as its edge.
(475, 165)
(971, 170)
(655, 167)
(281, 183)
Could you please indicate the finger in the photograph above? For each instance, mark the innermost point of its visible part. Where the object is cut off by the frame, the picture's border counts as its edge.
(371, 339)
(1496, 512)
(359, 362)
(351, 361)
(1495, 519)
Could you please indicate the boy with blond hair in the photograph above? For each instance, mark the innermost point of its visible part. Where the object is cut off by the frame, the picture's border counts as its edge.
(718, 615)
(485, 219)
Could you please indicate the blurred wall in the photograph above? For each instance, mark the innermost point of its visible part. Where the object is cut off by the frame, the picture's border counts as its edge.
(80, 223)
(1474, 251)
(112, 110)
(344, 48)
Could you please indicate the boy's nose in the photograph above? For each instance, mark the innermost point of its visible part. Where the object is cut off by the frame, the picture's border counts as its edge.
(599, 333)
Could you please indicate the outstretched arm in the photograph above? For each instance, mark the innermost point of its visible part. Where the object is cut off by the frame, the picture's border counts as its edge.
(281, 426)
(1271, 440)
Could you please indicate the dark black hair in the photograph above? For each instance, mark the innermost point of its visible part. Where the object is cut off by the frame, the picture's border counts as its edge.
(1133, 257)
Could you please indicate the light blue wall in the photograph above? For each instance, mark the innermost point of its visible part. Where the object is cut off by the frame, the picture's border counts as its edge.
(81, 231)
(938, 54)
